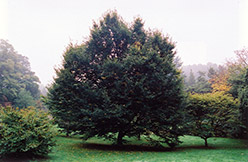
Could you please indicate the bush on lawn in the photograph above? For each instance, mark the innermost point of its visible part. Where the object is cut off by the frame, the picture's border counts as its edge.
(26, 131)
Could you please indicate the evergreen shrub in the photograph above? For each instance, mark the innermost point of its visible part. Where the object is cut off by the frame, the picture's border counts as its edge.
(26, 131)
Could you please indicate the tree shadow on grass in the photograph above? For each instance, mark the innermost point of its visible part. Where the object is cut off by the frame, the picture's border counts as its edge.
(141, 148)
(150, 148)
(21, 157)
(106, 147)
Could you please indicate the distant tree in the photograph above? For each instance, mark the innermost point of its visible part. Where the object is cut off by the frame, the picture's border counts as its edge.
(122, 81)
(15, 76)
(219, 80)
(201, 77)
(202, 85)
(201, 82)
(24, 99)
(211, 73)
(191, 80)
(213, 115)
(240, 62)
(198, 67)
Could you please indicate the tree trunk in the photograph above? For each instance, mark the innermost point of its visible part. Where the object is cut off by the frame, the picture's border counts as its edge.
(206, 142)
(67, 134)
(119, 138)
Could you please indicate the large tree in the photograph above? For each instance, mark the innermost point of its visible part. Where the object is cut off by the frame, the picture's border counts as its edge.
(123, 81)
(18, 84)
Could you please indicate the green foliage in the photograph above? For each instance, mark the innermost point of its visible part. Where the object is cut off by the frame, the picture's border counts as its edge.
(237, 81)
(65, 96)
(122, 81)
(24, 99)
(243, 96)
(26, 131)
(211, 73)
(213, 115)
(200, 85)
(191, 80)
(16, 76)
(238, 72)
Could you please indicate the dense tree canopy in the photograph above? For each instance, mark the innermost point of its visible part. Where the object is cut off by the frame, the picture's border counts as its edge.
(238, 74)
(16, 78)
(239, 89)
(243, 96)
(123, 81)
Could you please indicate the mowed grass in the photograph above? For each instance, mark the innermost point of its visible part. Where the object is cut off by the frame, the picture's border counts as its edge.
(191, 150)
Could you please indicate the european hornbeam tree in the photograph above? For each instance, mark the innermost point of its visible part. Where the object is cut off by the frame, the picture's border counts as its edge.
(122, 81)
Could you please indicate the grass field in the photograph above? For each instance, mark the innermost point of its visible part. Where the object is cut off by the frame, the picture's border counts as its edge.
(192, 150)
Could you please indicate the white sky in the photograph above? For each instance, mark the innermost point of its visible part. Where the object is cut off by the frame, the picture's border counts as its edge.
(205, 30)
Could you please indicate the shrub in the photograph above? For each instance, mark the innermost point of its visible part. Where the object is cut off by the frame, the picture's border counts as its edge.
(26, 131)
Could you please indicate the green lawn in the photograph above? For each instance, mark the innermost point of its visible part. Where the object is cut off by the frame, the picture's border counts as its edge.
(192, 150)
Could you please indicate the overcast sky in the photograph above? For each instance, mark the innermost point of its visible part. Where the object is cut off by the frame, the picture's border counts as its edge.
(205, 30)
